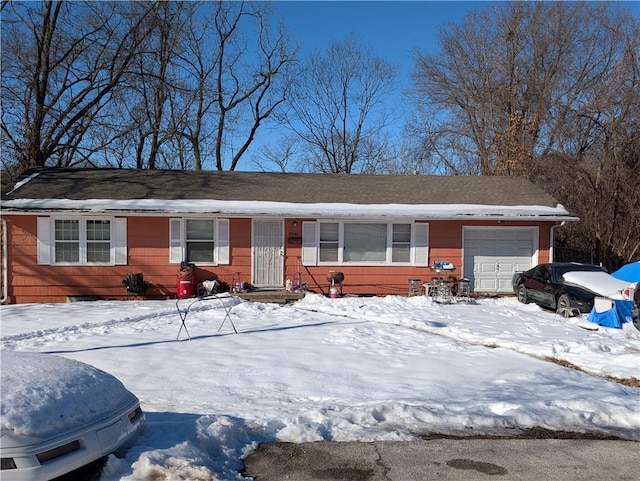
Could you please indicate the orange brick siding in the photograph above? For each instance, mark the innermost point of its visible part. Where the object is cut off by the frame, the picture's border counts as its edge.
(148, 252)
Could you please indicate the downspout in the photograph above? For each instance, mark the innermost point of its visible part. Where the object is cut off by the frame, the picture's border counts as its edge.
(552, 240)
(5, 263)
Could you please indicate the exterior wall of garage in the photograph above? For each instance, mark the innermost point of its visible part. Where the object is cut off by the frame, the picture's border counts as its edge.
(148, 253)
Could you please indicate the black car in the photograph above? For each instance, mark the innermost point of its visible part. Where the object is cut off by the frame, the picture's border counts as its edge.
(545, 285)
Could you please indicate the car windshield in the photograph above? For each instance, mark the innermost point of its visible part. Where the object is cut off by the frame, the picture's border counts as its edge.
(560, 271)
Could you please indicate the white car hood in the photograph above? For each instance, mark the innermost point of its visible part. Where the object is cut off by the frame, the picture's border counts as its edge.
(599, 283)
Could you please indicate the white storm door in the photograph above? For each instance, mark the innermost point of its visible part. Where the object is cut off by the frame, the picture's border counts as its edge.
(493, 255)
(268, 253)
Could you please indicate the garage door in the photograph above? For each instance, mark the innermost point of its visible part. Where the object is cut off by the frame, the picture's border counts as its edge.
(493, 255)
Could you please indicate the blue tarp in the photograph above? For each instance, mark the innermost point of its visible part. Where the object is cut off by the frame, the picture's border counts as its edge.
(628, 272)
(621, 311)
(615, 317)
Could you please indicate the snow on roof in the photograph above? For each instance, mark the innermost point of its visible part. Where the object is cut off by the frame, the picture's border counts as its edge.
(241, 208)
(291, 194)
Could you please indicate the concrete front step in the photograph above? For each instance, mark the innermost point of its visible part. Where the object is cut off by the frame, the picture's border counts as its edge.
(274, 296)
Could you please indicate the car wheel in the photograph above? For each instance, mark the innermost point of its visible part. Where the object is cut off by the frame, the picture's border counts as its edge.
(522, 294)
(564, 305)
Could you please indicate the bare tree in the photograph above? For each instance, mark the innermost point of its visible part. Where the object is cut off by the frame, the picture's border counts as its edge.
(144, 84)
(229, 75)
(62, 63)
(248, 78)
(599, 173)
(338, 108)
(151, 98)
(509, 76)
(281, 156)
(543, 90)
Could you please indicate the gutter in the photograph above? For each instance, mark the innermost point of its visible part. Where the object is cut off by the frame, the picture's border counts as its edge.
(356, 211)
(5, 263)
(552, 240)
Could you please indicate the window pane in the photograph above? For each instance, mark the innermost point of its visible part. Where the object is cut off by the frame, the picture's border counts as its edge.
(401, 244)
(67, 230)
(98, 230)
(98, 252)
(329, 242)
(402, 233)
(329, 232)
(329, 252)
(200, 229)
(200, 252)
(67, 251)
(365, 243)
(401, 253)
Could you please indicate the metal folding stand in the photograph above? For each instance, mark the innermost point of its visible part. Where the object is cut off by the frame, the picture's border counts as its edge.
(183, 313)
(227, 315)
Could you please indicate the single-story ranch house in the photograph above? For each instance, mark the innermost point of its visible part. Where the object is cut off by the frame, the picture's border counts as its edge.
(70, 233)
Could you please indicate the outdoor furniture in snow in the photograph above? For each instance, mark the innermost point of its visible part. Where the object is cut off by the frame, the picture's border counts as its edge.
(464, 290)
(183, 312)
(414, 287)
(444, 293)
(431, 288)
(135, 283)
(440, 289)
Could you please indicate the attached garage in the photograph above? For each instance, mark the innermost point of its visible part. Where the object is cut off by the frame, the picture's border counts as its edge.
(493, 254)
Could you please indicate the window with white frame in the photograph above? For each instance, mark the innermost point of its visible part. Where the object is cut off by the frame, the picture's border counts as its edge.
(199, 240)
(67, 240)
(81, 240)
(340, 242)
(401, 243)
(98, 240)
(329, 236)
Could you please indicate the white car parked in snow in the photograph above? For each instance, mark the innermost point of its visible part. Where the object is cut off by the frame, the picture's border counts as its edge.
(59, 414)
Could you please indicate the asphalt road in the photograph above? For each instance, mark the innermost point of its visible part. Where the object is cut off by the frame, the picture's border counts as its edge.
(448, 460)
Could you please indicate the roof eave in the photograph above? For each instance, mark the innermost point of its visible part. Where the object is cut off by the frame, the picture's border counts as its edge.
(327, 211)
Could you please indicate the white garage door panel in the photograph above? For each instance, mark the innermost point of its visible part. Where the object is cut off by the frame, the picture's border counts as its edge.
(496, 254)
(485, 266)
(486, 285)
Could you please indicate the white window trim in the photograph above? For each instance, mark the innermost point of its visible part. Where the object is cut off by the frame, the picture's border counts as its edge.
(178, 240)
(419, 248)
(46, 239)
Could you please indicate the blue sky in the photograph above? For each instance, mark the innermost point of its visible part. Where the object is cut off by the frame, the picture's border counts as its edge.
(392, 28)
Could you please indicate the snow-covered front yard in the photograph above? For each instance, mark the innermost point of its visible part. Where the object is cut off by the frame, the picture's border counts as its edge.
(388, 368)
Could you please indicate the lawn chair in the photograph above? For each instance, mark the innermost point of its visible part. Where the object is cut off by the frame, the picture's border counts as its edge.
(135, 283)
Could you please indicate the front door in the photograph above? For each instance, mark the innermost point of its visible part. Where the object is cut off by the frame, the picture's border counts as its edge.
(268, 253)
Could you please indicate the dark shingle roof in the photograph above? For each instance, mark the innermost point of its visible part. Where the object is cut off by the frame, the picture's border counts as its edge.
(124, 184)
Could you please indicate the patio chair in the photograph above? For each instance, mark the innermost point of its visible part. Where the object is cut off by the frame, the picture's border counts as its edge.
(135, 283)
